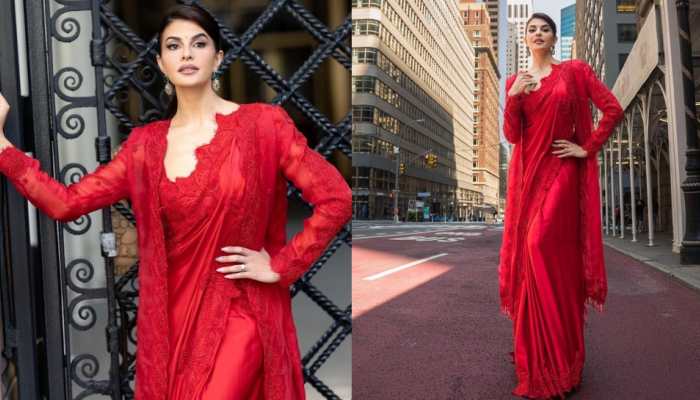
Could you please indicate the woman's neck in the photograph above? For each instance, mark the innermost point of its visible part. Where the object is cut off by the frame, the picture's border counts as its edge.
(541, 62)
(195, 105)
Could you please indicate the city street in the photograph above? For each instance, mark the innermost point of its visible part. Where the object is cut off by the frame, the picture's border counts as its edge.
(427, 324)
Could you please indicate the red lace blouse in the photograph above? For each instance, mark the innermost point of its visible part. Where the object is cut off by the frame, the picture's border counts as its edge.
(265, 151)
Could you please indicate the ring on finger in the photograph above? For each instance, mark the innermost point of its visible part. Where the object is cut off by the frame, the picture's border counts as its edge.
(242, 268)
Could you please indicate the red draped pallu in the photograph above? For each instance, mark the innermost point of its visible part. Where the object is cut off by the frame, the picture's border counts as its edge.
(201, 336)
(551, 259)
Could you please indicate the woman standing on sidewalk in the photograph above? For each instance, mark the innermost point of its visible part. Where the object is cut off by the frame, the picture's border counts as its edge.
(551, 260)
(208, 190)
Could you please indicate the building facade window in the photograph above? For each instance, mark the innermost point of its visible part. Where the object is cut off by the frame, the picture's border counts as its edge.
(366, 3)
(626, 33)
(364, 55)
(373, 56)
(365, 27)
(362, 113)
(363, 84)
(625, 6)
(621, 59)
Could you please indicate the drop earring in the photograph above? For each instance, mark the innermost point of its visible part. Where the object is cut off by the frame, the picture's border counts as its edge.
(215, 82)
(168, 87)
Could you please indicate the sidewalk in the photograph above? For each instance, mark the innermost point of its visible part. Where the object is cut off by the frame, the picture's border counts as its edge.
(659, 256)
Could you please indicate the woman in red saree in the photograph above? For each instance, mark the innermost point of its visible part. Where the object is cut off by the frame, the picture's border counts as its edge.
(209, 194)
(551, 260)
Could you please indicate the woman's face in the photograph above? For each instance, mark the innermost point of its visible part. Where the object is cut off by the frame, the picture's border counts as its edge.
(188, 56)
(539, 36)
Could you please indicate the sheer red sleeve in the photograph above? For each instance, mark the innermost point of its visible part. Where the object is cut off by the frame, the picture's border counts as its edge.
(605, 101)
(101, 188)
(321, 185)
(513, 114)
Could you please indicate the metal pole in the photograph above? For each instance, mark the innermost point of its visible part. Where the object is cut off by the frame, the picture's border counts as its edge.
(50, 240)
(612, 188)
(690, 246)
(21, 336)
(600, 194)
(396, 185)
(109, 251)
(607, 193)
(657, 164)
(647, 172)
(633, 201)
(619, 173)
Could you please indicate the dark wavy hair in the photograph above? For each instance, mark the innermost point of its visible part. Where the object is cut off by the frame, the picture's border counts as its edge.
(544, 17)
(199, 17)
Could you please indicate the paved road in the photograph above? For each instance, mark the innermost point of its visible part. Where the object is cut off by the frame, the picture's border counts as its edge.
(426, 321)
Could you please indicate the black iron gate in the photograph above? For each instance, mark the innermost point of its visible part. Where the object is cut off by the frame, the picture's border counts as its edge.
(74, 289)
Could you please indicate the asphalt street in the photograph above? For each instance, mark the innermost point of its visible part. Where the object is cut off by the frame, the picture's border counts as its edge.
(427, 325)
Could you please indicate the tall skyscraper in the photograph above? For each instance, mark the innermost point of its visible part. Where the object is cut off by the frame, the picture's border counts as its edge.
(477, 24)
(512, 47)
(568, 30)
(492, 7)
(412, 91)
(518, 13)
(605, 34)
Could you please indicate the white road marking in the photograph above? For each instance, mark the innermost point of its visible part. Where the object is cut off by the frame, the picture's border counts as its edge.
(401, 268)
(461, 234)
(401, 234)
(439, 239)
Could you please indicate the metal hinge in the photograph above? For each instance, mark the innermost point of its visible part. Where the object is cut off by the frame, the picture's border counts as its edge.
(103, 149)
(109, 244)
(97, 52)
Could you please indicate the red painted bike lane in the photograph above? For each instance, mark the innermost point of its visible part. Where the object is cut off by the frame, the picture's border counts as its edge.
(433, 330)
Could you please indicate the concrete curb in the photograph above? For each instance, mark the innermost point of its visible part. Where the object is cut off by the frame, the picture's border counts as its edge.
(678, 272)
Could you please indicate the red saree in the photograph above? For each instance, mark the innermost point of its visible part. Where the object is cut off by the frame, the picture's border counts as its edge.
(201, 336)
(551, 259)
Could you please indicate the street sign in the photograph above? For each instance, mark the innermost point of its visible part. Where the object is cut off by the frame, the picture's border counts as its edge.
(423, 194)
(426, 212)
(418, 203)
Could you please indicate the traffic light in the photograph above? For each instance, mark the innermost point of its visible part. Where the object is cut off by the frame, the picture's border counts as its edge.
(402, 168)
(431, 160)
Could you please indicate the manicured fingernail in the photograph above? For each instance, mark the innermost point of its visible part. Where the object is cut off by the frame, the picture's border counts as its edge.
(220, 269)
(219, 258)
